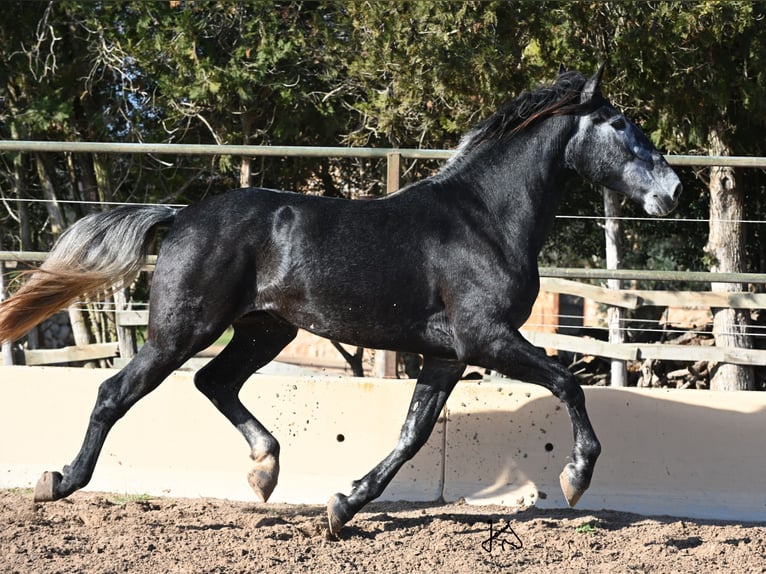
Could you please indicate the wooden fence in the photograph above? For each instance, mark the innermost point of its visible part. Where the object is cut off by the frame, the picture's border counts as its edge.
(551, 282)
(554, 280)
(634, 299)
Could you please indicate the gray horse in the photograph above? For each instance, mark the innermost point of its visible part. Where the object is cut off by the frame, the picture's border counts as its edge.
(446, 267)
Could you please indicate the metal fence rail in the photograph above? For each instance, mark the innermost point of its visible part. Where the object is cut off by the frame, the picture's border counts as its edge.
(223, 149)
(309, 151)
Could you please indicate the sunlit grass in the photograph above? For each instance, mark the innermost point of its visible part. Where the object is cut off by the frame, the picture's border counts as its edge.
(225, 338)
(18, 490)
(123, 499)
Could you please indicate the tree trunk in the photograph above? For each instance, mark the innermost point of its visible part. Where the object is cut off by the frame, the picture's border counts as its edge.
(103, 174)
(725, 247)
(20, 191)
(354, 361)
(49, 190)
(25, 229)
(79, 326)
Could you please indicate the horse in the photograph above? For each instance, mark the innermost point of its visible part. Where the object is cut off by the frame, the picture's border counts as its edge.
(445, 267)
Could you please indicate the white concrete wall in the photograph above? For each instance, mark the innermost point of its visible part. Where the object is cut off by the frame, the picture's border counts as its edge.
(174, 442)
(684, 453)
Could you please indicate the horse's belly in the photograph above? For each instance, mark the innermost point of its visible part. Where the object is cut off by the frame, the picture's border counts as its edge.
(393, 328)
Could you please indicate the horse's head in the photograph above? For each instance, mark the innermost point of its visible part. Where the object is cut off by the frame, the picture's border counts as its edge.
(610, 150)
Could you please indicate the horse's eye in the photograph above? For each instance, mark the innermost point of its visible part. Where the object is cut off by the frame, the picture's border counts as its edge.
(618, 123)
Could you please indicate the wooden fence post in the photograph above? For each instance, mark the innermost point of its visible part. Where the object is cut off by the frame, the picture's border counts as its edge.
(618, 369)
(7, 351)
(126, 338)
(385, 361)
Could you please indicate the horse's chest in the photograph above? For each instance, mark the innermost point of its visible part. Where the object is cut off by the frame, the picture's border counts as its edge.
(503, 295)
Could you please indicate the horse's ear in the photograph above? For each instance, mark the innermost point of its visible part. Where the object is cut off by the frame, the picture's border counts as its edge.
(592, 85)
(562, 69)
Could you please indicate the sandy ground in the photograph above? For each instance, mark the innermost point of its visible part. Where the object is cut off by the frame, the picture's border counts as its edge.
(105, 533)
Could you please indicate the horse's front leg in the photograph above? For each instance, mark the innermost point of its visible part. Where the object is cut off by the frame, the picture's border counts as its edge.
(513, 356)
(435, 383)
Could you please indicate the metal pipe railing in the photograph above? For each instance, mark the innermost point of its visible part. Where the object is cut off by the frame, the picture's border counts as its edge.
(310, 151)
(213, 149)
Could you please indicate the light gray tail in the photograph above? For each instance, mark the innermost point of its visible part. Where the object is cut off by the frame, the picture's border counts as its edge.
(99, 252)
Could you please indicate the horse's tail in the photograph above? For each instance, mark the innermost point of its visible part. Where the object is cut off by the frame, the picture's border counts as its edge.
(100, 251)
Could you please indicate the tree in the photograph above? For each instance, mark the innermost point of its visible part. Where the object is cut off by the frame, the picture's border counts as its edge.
(34, 108)
(413, 74)
(703, 90)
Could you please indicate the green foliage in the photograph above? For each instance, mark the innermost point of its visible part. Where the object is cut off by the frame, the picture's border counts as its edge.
(408, 74)
(680, 69)
(586, 528)
(426, 70)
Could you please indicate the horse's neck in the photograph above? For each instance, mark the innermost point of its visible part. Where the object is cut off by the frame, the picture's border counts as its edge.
(521, 186)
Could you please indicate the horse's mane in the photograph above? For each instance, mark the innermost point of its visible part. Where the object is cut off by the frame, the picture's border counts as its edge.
(560, 98)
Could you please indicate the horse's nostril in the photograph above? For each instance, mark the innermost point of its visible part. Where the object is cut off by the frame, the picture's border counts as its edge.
(677, 191)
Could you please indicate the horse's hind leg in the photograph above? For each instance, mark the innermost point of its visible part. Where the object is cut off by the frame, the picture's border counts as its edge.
(435, 383)
(258, 338)
(116, 396)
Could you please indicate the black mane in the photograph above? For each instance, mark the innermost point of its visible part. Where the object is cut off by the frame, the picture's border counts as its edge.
(528, 107)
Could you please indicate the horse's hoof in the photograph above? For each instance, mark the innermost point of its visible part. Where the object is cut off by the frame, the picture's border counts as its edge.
(337, 513)
(45, 490)
(263, 477)
(567, 480)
